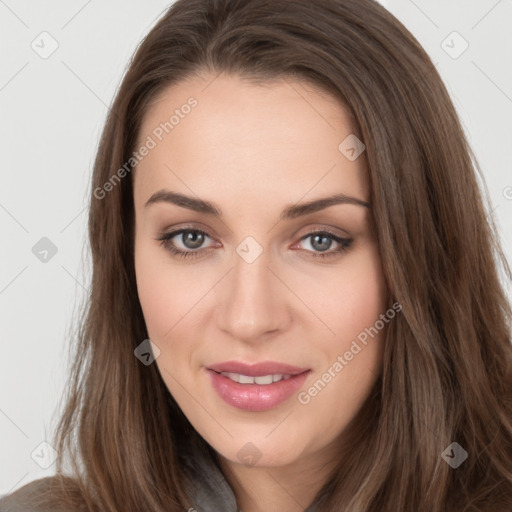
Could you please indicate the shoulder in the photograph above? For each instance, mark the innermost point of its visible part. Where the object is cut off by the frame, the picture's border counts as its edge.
(50, 494)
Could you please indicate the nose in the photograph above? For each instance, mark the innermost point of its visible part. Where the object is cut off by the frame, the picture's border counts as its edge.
(252, 302)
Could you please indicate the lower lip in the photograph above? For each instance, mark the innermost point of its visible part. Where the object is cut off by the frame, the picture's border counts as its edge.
(256, 397)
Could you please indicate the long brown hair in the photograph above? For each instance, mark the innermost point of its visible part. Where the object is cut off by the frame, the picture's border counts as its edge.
(447, 371)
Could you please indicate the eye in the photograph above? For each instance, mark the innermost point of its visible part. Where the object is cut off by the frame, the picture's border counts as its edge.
(190, 239)
(322, 241)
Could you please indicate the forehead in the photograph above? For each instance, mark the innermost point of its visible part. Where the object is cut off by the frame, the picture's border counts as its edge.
(226, 135)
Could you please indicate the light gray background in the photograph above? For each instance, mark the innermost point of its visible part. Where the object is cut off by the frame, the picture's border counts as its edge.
(52, 111)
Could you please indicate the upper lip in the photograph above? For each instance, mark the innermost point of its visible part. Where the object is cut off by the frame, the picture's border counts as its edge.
(256, 369)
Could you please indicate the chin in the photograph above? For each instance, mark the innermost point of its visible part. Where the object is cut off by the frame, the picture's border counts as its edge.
(261, 453)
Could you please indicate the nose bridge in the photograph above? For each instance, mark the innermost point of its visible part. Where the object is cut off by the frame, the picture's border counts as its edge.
(251, 303)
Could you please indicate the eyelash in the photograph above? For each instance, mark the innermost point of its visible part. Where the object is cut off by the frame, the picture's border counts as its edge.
(165, 238)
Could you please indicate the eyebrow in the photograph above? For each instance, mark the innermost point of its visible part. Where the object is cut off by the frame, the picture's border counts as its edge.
(290, 212)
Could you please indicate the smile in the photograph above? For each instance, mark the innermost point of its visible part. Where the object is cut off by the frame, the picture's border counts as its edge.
(256, 387)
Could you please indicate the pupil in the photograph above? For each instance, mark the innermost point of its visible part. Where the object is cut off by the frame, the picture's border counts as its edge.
(192, 239)
(322, 246)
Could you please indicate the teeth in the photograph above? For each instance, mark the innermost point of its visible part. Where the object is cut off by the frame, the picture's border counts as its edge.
(262, 380)
(232, 376)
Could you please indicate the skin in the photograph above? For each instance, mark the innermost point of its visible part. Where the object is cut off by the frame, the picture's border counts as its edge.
(253, 150)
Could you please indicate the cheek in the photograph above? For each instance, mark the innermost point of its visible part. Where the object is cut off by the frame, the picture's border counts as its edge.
(170, 298)
(351, 358)
(161, 294)
(158, 298)
(354, 298)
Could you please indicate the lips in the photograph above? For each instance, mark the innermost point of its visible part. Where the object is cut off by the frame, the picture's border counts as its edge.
(256, 387)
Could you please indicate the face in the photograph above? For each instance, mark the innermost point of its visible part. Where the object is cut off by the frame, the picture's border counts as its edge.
(257, 303)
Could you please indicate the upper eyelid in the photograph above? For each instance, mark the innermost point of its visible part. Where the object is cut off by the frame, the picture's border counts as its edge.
(317, 227)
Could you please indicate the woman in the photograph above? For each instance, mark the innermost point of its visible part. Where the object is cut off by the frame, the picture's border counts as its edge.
(295, 301)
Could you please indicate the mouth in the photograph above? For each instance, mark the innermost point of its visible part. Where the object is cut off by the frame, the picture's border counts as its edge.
(256, 387)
